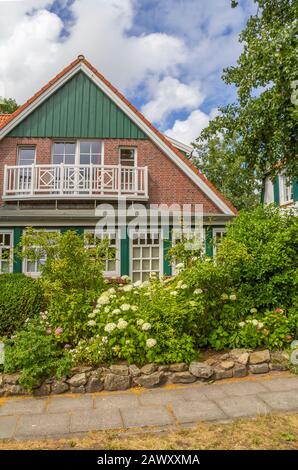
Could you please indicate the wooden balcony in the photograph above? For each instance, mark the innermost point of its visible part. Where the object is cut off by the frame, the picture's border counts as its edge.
(75, 182)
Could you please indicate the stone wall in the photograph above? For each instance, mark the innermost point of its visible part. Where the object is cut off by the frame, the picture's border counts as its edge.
(237, 363)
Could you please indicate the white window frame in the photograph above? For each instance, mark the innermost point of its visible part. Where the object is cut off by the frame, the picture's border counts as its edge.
(159, 246)
(77, 143)
(285, 190)
(35, 274)
(109, 233)
(24, 147)
(135, 149)
(6, 247)
(215, 230)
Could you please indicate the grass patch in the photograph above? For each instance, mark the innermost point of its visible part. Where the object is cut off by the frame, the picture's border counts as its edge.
(264, 432)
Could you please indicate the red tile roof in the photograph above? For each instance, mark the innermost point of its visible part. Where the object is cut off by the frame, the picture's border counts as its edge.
(81, 58)
(3, 119)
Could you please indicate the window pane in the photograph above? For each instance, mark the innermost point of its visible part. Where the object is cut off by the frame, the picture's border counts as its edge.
(59, 148)
(96, 147)
(26, 156)
(85, 160)
(69, 159)
(70, 148)
(58, 159)
(85, 147)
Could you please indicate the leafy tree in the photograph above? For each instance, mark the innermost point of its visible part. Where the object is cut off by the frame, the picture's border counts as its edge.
(7, 105)
(228, 172)
(258, 133)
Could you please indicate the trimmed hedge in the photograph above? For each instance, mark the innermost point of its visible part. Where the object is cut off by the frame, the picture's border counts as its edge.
(20, 298)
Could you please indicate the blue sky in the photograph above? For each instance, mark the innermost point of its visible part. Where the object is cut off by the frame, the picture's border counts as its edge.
(166, 56)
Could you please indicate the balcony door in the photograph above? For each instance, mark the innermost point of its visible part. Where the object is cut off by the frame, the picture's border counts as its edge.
(77, 158)
(127, 160)
(26, 158)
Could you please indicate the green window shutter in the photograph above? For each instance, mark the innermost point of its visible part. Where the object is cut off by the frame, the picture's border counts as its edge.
(209, 241)
(295, 189)
(124, 255)
(167, 268)
(276, 190)
(17, 262)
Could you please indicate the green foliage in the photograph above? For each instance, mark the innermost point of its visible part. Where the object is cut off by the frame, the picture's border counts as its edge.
(227, 170)
(36, 354)
(7, 105)
(260, 253)
(69, 264)
(20, 298)
(69, 312)
(258, 132)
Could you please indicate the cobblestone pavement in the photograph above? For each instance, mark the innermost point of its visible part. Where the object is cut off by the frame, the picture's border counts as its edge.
(69, 415)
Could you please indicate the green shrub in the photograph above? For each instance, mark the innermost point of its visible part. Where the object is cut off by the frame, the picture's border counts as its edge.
(20, 298)
(69, 312)
(35, 353)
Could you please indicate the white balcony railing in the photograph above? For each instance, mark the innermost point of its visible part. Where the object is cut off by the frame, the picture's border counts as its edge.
(75, 181)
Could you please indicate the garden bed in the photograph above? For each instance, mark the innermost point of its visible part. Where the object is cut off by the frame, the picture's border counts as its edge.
(236, 363)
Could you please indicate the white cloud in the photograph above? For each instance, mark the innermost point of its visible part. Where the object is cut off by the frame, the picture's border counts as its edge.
(171, 95)
(188, 130)
(32, 48)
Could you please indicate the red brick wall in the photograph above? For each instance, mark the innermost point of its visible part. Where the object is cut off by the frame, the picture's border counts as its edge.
(167, 183)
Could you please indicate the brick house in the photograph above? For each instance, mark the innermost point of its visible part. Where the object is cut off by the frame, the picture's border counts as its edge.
(78, 143)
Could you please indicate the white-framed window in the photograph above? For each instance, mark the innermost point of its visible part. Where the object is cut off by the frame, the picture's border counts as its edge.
(146, 255)
(218, 234)
(80, 152)
(6, 251)
(128, 156)
(286, 193)
(33, 268)
(112, 264)
(195, 239)
(26, 154)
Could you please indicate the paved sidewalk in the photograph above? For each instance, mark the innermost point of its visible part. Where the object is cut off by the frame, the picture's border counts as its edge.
(70, 415)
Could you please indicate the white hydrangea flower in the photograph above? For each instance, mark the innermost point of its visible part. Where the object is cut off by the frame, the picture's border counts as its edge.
(116, 311)
(253, 310)
(112, 291)
(198, 291)
(179, 283)
(192, 303)
(146, 284)
(125, 277)
(110, 327)
(233, 297)
(173, 292)
(138, 283)
(127, 288)
(127, 341)
(125, 307)
(183, 286)
(255, 322)
(146, 326)
(260, 325)
(180, 266)
(103, 300)
(241, 324)
(140, 322)
(122, 324)
(91, 323)
(91, 315)
(96, 310)
(150, 343)
(106, 309)
(134, 308)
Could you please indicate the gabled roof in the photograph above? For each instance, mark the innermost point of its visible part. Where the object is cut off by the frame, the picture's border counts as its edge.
(3, 119)
(164, 143)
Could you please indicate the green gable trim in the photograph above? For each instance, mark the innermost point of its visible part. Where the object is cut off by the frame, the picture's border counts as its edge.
(276, 190)
(124, 255)
(167, 268)
(79, 109)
